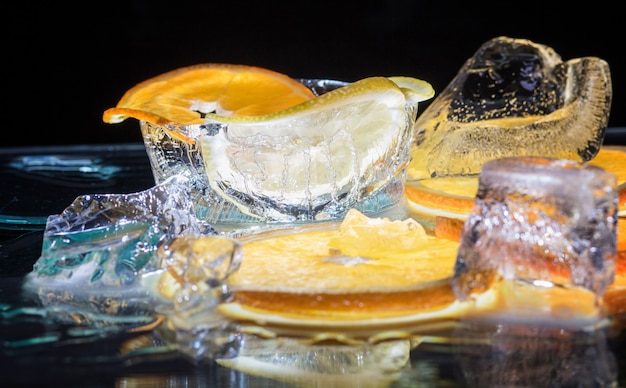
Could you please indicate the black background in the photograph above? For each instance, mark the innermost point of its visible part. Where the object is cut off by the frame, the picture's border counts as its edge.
(66, 63)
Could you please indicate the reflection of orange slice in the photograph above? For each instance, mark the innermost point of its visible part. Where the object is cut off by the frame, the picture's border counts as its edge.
(453, 197)
(321, 365)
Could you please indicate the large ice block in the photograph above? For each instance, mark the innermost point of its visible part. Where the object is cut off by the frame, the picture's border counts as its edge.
(513, 97)
(542, 222)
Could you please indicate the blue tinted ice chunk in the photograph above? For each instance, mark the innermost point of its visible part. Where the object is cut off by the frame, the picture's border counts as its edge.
(102, 243)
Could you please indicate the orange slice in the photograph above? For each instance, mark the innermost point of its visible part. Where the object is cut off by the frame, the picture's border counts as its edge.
(183, 96)
(360, 276)
(453, 197)
(613, 159)
(357, 256)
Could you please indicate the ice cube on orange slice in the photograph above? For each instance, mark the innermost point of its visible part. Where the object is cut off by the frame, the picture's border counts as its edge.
(183, 96)
(448, 201)
(372, 279)
(453, 196)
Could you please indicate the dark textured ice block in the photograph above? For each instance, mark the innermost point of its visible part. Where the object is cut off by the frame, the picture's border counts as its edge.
(513, 97)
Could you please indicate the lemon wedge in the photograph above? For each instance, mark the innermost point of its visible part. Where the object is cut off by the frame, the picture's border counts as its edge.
(313, 150)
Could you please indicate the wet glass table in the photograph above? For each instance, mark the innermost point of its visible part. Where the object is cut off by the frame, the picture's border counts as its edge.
(52, 348)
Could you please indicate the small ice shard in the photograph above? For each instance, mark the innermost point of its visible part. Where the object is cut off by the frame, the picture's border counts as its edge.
(194, 260)
(193, 282)
(103, 243)
(513, 97)
(542, 222)
(199, 262)
(360, 233)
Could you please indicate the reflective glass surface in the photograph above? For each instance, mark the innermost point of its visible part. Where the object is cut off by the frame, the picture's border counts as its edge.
(59, 346)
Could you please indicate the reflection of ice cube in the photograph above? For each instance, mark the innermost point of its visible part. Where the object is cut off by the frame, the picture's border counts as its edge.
(529, 355)
(547, 222)
(104, 242)
(513, 97)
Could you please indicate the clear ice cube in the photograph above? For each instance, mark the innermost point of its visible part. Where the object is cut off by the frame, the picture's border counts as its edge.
(195, 280)
(513, 97)
(541, 221)
(102, 244)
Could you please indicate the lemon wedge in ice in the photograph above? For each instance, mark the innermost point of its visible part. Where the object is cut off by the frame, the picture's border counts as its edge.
(320, 146)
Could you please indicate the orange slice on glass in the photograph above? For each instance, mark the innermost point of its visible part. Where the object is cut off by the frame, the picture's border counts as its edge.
(183, 96)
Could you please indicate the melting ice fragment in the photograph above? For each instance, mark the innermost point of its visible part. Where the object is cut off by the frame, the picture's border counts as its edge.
(102, 244)
(513, 97)
(195, 279)
(539, 223)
